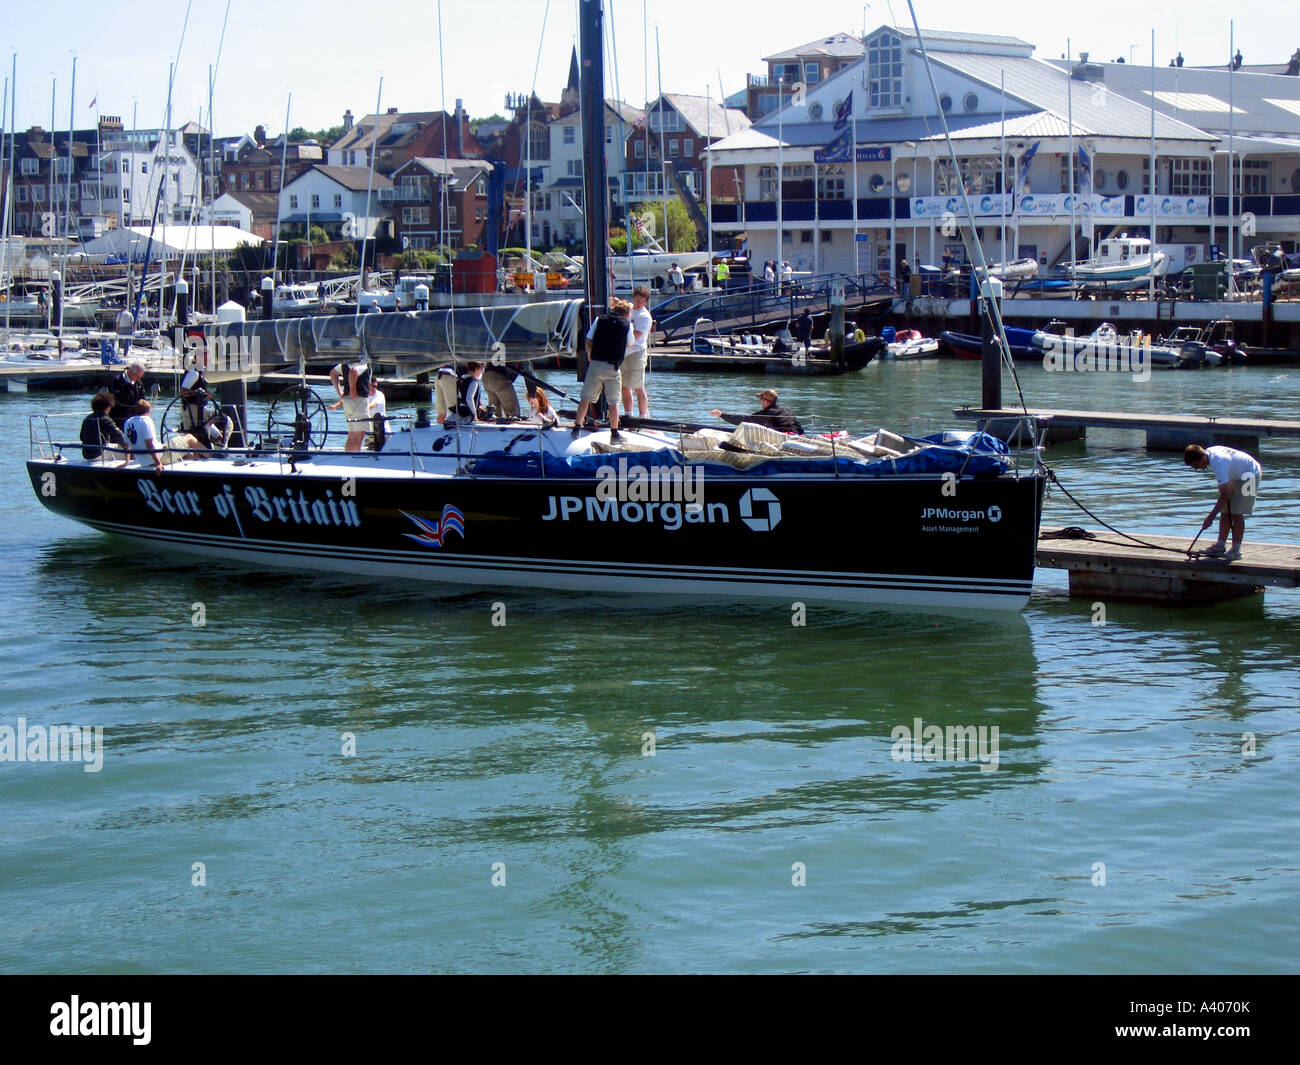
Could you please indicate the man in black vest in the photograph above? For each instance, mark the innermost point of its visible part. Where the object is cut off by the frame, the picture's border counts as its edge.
(606, 346)
(127, 389)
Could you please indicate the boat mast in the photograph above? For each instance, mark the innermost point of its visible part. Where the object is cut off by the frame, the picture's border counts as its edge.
(663, 151)
(1002, 151)
(370, 182)
(67, 198)
(1069, 107)
(1234, 199)
(49, 225)
(7, 193)
(708, 167)
(1151, 185)
(284, 155)
(591, 94)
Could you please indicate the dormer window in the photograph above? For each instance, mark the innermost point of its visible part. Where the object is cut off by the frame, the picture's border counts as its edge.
(885, 72)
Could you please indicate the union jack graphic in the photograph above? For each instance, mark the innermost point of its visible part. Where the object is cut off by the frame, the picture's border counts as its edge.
(435, 532)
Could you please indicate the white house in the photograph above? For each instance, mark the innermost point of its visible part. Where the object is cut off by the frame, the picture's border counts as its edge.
(138, 171)
(557, 205)
(336, 199)
(226, 210)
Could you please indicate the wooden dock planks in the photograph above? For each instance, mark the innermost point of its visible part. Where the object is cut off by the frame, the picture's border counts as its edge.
(1111, 567)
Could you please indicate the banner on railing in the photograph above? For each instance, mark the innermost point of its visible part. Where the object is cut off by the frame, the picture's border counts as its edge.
(937, 207)
(1172, 206)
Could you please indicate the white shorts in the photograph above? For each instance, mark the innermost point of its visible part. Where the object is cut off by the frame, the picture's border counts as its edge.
(632, 372)
(600, 375)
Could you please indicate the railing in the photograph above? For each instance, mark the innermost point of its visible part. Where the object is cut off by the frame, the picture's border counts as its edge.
(1260, 206)
(759, 303)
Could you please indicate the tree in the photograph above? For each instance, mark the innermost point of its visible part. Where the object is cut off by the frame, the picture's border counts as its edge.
(682, 235)
(323, 136)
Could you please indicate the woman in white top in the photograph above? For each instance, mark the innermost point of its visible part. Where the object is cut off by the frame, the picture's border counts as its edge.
(542, 413)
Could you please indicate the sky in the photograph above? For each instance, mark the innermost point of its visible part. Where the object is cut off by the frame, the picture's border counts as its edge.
(331, 54)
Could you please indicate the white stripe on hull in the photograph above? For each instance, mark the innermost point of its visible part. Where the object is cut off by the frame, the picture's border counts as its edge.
(843, 589)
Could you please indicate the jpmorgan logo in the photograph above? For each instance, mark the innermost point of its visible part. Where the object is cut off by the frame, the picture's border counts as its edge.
(763, 523)
(995, 513)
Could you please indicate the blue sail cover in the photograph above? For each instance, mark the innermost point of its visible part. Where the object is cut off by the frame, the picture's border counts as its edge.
(954, 451)
(518, 333)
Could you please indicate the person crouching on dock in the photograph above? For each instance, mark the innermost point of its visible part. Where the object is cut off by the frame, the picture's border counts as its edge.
(1238, 475)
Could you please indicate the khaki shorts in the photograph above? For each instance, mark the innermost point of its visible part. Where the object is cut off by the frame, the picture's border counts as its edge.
(356, 412)
(600, 375)
(501, 391)
(1243, 498)
(632, 372)
(444, 392)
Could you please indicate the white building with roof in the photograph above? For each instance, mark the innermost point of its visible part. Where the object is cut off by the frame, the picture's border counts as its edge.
(866, 177)
(558, 204)
(346, 201)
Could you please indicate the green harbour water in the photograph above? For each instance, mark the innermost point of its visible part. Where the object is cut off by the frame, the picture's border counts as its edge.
(770, 831)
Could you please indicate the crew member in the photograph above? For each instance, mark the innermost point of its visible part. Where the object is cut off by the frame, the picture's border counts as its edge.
(471, 400)
(770, 414)
(98, 430)
(1238, 475)
(607, 342)
(632, 372)
(127, 389)
(351, 383)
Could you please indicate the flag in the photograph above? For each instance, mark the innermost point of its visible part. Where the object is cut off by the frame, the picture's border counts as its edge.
(1085, 167)
(838, 150)
(93, 100)
(843, 113)
(639, 121)
(1025, 160)
(434, 533)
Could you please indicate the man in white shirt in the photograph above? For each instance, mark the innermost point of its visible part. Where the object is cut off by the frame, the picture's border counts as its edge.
(143, 437)
(1238, 475)
(632, 372)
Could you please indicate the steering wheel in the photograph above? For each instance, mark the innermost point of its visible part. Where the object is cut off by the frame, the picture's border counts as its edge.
(299, 412)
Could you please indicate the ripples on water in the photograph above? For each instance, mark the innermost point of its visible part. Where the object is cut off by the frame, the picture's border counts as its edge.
(523, 745)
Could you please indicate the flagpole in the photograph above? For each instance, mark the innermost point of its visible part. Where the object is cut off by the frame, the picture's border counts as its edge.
(1069, 106)
(853, 151)
(708, 167)
(1151, 185)
(780, 172)
(1003, 153)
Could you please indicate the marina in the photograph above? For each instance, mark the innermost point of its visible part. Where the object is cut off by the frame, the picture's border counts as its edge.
(813, 649)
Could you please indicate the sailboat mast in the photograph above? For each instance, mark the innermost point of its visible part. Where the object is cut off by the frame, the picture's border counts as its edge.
(67, 196)
(1151, 185)
(591, 94)
(370, 182)
(284, 156)
(1069, 107)
(49, 222)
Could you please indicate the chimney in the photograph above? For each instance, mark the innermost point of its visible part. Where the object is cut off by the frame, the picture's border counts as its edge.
(460, 128)
(392, 110)
(347, 120)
